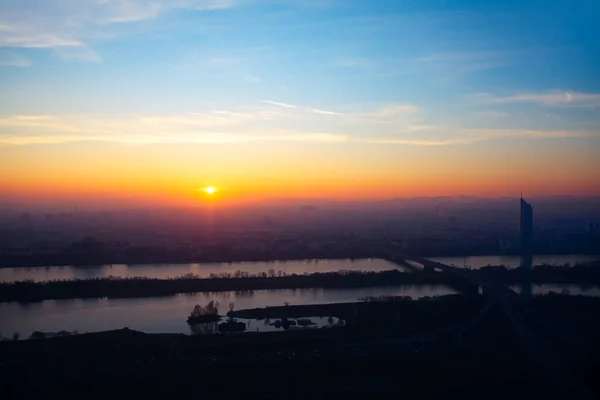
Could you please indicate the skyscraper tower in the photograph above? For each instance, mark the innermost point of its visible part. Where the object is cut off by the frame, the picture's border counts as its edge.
(526, 234)
(526, 227)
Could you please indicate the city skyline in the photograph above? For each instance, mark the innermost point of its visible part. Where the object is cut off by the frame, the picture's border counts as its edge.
(352, 100)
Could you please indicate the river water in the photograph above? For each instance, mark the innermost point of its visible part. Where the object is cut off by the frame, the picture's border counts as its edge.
(163, 271)
(168, 314)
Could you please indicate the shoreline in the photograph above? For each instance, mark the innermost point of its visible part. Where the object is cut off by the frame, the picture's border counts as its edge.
(224, 261)
(111, 287)
(147, 287)
(39, 262)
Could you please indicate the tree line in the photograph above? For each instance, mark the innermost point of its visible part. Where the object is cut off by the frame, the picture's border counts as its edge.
(117, 287)
(579, 273)
(114, 287)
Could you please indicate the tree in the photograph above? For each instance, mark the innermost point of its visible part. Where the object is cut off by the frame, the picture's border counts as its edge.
(231, 306)
(210, 309)
(16, 335)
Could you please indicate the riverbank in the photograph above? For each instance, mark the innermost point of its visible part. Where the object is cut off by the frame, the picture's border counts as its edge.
(61, 260)
(379, 318)
(111, 287)
(143, 287)
(356, 253)
(391, 314)
(368, 361)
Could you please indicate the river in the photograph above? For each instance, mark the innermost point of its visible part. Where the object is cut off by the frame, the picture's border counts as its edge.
(168, 314)
(163, 271)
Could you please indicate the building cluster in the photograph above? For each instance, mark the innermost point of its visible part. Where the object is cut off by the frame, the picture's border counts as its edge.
(137, 236)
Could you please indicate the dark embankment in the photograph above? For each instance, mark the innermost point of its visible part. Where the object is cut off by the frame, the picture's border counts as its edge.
(373, 363)
(579, 273)
(145, 287)
(401, 315)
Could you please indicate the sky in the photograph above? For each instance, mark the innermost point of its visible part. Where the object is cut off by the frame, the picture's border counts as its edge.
(348, 99)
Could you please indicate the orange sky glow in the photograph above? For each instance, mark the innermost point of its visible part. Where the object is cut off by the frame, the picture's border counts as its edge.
(131, 102)
(177, 174)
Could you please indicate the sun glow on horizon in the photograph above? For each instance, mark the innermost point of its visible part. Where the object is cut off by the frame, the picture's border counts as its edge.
(210, 190)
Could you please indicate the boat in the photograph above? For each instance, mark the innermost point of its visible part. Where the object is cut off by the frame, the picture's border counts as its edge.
(277, 324)
(305, 322)
(232, 326)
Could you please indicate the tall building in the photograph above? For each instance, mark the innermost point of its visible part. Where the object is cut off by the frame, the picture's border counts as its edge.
(526, 226)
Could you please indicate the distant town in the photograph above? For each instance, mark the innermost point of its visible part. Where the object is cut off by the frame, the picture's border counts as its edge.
(457, 226)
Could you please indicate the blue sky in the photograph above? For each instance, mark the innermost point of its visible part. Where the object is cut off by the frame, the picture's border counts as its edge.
(413, 73)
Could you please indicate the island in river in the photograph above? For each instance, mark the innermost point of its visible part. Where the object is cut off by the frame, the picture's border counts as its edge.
(144, 287)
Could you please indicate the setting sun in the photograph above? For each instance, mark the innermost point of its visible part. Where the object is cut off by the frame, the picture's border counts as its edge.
(210, 190)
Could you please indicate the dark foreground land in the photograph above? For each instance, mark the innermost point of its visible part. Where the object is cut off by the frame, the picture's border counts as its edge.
(453, 347)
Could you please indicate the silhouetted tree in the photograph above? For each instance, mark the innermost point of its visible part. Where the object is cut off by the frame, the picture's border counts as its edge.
(16, 335)
(210, 309)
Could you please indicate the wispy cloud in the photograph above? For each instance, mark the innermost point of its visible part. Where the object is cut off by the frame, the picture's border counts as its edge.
(322, 112)
(302, 137)
(222, 138)
(451, 136)
(420, 142)
(58, 24)
(302, 109)
(553, 98)
(120, 11)
(236, 117)
(210, 127)
(385, 114)
(116, 11)
(279, 104)
(17, 38)
(394, 110)
(225, 126)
